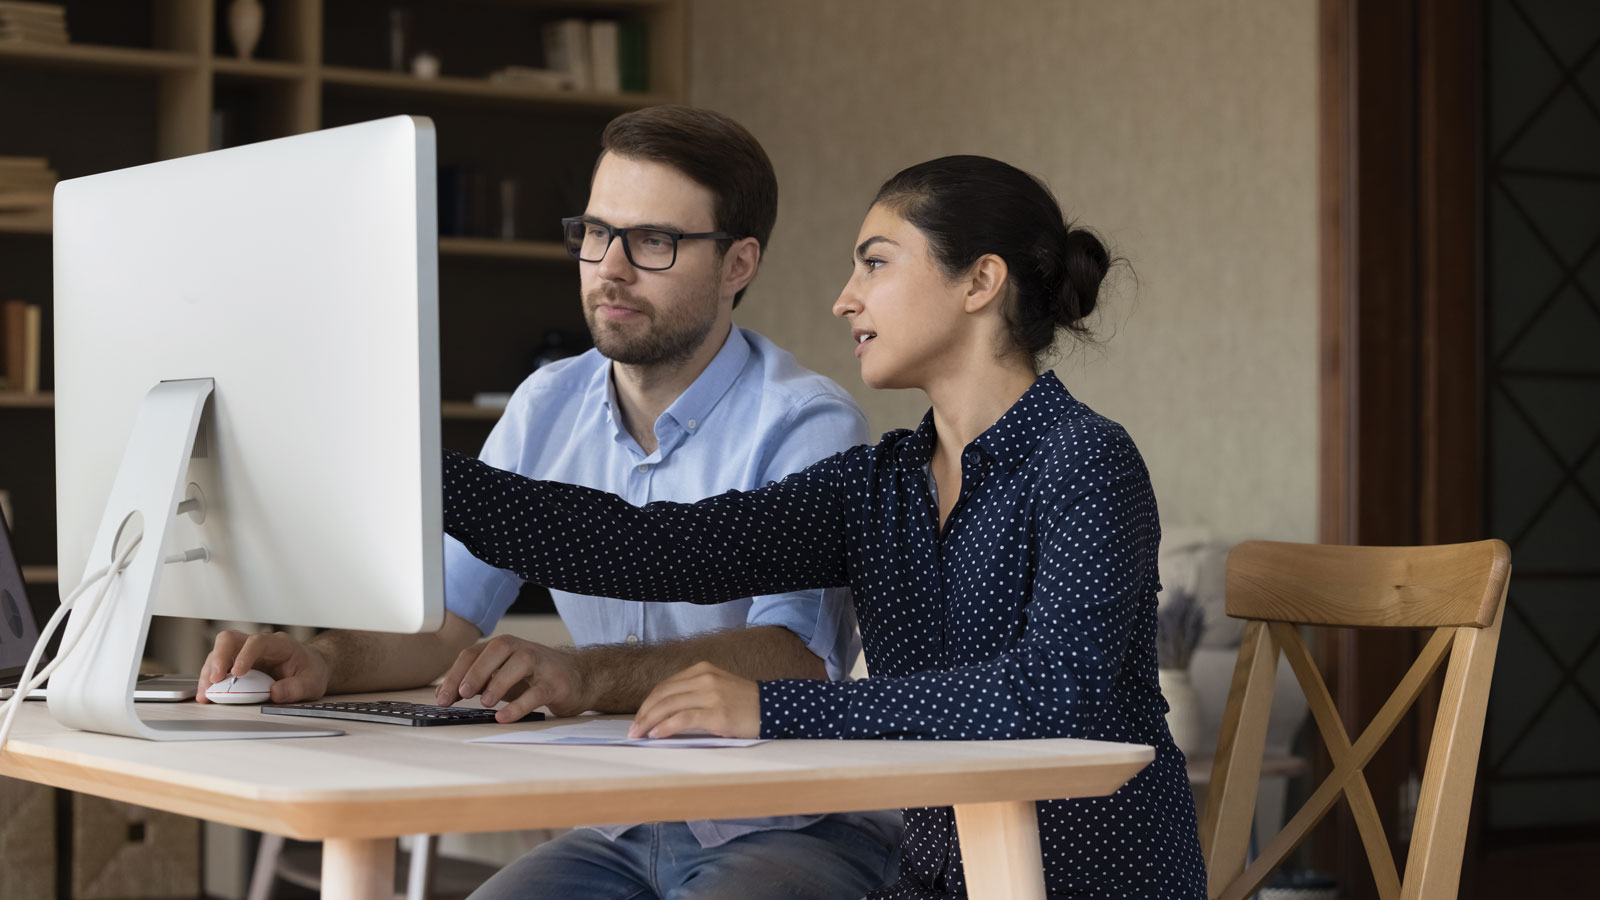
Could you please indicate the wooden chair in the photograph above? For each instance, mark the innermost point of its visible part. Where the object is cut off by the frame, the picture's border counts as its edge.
(1458, 591)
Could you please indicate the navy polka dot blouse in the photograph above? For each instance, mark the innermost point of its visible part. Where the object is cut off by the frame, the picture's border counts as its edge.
(1033, 615)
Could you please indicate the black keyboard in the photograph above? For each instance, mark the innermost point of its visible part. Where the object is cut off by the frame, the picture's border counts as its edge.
(392, 712)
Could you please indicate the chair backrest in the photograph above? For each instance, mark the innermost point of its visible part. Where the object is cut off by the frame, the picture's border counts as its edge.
(1456, 590)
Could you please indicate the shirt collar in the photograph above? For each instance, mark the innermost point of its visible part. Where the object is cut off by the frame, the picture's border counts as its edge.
(1009, 440)
(695, 403)
(689, 411)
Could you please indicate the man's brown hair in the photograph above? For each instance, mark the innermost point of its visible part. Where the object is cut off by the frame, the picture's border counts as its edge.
(712, 150)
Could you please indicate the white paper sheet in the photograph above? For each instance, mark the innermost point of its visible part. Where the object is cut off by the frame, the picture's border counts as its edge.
(610, 733)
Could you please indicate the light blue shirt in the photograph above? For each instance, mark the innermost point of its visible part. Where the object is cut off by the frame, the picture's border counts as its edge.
(753, 416)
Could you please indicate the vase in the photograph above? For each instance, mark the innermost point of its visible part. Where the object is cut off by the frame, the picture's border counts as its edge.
(244, 26)
(1183, 709)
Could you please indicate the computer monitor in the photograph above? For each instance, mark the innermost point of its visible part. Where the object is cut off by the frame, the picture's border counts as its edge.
(254, 329)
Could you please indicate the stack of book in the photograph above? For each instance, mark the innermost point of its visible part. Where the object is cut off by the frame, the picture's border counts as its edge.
(27, 184)
(32, 23)
(530, 77)
(603, 56)
(21, 342)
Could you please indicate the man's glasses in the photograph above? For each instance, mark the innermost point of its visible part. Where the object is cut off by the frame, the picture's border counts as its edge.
(651, 249)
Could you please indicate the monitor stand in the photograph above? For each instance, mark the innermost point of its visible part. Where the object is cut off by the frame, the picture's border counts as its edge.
(92, 690)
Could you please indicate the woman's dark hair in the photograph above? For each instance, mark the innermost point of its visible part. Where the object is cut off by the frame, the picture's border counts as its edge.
(969, 206)
(714, 151)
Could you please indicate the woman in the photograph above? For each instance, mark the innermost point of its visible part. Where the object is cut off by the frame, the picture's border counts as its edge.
(1002, 556)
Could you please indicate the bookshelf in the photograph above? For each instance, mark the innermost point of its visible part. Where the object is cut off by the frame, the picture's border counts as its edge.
(447, 410)
(145, 80)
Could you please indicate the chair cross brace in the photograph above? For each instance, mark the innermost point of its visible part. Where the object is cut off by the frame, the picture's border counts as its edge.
(1349, 759)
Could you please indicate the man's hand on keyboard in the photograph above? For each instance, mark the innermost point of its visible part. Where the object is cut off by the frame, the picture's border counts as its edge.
(525, 674)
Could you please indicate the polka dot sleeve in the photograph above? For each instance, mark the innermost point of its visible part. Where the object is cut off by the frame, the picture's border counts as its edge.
(786, 536)
(1056, 681)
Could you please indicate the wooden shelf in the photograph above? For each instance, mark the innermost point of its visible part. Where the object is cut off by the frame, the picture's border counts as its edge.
(40, 575)
(481, 89)
(19, 400)
(472, 412)
(104, 59)
(260, 69)
(546, 251)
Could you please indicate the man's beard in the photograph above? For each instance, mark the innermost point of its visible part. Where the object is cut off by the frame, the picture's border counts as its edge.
(668, 338)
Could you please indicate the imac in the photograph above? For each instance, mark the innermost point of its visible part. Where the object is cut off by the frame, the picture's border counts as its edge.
(247, 377)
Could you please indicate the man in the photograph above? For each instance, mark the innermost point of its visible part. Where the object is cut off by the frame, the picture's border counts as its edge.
(675, 404)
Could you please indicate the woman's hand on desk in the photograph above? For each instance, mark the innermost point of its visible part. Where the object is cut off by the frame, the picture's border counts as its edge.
(525, 674)
(701, 698)
(298, 672)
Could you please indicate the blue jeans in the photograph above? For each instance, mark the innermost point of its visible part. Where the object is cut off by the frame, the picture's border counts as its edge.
(828, 860)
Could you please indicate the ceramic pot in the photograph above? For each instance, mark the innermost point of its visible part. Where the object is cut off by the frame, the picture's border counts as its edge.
(1183, 715)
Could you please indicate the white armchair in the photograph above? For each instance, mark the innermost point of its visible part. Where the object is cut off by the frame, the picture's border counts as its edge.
(1191, 560)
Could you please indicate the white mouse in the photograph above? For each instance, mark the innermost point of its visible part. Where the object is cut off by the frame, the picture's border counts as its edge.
(253, 686)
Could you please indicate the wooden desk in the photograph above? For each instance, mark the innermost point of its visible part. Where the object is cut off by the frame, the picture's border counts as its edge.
(356, 793)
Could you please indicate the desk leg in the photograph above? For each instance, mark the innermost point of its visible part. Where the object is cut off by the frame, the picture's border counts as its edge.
(358, 869)
(1000, 850)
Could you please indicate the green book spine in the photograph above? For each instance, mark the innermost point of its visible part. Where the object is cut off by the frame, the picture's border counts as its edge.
(633, 56)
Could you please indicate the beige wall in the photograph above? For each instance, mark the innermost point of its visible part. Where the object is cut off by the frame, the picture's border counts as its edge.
(1183, 130)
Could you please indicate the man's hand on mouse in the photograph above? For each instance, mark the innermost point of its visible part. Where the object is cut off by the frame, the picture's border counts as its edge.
(525, 674)
(299, 672)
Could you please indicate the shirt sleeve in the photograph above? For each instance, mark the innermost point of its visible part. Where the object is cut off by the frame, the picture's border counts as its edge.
(824, 619)
(786, 536)
(1056, 681)
(473, 589)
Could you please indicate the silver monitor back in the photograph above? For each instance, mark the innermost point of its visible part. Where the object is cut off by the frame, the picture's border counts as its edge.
(301, 275)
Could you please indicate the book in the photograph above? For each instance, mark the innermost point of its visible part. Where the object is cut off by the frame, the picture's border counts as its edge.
(16, 337)
(22, 36)
(33, 22)
(37, 218)
(528, 76)
(34, 15)
(33, 8)
(603, 35)
(40, 180)
(32, 346)
(23, 200)
(28, 20)
(566, 49)
(633, 56)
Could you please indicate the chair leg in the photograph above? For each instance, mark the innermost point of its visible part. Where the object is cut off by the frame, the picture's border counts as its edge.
(424, 847)
(265, 873)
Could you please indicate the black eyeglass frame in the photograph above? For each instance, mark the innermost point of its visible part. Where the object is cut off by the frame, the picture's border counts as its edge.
(576, 252)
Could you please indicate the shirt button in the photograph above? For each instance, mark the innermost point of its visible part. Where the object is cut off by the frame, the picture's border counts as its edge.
(692, 424)
(633, 639)
(644, 467)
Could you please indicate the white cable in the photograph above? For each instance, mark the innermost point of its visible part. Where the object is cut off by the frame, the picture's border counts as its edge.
(30, 681)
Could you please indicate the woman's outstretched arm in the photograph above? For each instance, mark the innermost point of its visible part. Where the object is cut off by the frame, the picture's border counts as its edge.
(789, 535)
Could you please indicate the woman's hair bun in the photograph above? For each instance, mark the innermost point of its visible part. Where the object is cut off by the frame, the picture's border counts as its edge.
(1087, 263)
